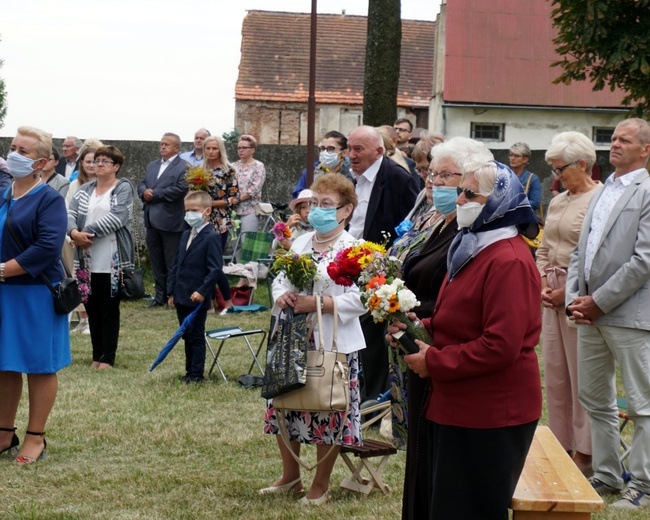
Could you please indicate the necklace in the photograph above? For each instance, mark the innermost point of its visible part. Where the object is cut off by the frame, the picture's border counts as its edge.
(37, 183)
(329, 239)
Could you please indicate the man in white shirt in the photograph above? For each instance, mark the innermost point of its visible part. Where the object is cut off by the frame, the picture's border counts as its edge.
(162, 192)
(68, 163)
(386, 194)
(195, 156)
(608, 295)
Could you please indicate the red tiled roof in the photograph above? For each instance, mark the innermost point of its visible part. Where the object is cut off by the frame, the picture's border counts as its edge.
(275, 59)
(500, 51)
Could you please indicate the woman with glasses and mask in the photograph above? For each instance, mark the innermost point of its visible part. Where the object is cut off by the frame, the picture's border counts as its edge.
(571, 156)
(332, 158)
(99, 224)
(251, 175)
(332, 204)
(485, 398)
(423, 251)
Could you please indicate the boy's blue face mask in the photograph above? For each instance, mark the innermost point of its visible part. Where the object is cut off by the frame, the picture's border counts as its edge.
(194, 218)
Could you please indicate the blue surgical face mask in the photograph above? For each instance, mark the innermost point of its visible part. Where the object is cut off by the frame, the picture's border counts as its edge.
(328, 159)
(194, 218)
(19, 165)
(323, 220)
(444, 199)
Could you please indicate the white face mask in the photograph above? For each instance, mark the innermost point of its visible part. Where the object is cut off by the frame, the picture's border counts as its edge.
(194, 218)
(468, 213)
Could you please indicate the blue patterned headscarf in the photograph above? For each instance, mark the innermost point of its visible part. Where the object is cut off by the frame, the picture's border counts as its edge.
(506, 206)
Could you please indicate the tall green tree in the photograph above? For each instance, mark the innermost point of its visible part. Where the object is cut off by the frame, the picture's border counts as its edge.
(383, 49)
(607, 41)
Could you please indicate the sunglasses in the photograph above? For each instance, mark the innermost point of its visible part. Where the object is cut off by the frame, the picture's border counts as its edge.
(469, 193)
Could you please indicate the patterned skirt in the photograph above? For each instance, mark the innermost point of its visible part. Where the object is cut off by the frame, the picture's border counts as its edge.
(323, 427)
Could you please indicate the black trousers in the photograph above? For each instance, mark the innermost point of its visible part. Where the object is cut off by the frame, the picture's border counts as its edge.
(374, 358)
(475, 471)
(163, 248)
(103, 318)
(194, 340)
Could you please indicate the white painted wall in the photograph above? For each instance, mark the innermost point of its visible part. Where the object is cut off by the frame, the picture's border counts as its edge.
(536, 127)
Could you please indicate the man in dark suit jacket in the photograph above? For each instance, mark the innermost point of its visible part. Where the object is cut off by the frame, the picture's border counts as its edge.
(162, 192)
(386, 194)
(197, 266)
(70, 160)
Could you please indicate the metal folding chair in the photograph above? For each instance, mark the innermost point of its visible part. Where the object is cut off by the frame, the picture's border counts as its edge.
(224, 334)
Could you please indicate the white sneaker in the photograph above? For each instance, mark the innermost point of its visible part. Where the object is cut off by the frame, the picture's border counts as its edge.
(632, 499)
(86, 330)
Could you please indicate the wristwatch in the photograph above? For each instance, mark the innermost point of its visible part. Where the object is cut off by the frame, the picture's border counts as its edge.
(3, 266)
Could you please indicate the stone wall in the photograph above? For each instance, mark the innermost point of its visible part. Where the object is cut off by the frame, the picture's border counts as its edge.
(284, 163)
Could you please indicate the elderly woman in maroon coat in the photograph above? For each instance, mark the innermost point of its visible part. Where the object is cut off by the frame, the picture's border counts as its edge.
(486, 395)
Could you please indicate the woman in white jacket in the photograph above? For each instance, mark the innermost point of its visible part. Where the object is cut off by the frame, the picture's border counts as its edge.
(333, 202)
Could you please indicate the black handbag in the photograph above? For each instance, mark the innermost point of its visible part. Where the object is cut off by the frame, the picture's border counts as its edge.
(66, 294)
(131, 284)
(286, 358)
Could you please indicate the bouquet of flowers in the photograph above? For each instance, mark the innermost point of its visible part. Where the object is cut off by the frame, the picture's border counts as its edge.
(300, 270)
(377, 275)
(199, 180)
(281, 231)
(349, 263)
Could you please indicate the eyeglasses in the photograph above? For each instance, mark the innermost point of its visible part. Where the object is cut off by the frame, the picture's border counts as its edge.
(557, 172)
(101, 162)
(398, 129)
(423, 170)
(515, 155)
(330, 149)
(443, 176)
(326, 204)
(244, 148)
(469, 193)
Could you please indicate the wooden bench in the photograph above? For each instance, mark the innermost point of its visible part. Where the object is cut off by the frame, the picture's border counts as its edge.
(551, 486)
(370, 449)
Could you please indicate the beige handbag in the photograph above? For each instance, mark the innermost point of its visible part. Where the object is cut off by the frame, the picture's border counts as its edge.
(327, 388)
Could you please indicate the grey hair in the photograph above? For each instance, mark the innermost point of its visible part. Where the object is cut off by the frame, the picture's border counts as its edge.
(643, 128)
(461, 150)
(175, 137)
(203, 130)
(485, 174)
(522, 149)
(572, 147)
(372, 133)
(75, 140)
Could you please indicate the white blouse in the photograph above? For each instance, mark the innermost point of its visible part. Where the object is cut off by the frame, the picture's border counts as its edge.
(348, 299)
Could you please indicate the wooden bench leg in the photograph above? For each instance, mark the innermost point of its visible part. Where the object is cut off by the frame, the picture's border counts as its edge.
(362, 485)
(549, 515)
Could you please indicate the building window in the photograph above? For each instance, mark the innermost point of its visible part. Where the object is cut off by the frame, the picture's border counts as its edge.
(602, 135)
(488, 131)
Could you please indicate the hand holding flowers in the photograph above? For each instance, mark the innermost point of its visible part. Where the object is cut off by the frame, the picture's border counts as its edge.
(300, 270)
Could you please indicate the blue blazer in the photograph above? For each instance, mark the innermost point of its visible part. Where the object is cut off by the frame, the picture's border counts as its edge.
(196, 268)
(167, 209)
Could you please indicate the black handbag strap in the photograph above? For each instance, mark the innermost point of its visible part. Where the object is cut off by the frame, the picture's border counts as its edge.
(22, 246)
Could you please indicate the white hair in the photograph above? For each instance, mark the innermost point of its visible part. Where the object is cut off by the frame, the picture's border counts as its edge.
(572, 147)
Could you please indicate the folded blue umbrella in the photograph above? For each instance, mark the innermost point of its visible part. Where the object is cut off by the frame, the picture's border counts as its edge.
(187, 323)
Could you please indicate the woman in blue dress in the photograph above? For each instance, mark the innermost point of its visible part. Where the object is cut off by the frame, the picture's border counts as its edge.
(37, 216)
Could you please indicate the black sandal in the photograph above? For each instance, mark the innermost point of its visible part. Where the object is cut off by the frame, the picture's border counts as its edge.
(24, 460)
(12, 450)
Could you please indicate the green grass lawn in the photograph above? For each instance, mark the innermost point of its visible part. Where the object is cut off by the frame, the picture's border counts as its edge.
(128, 444)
